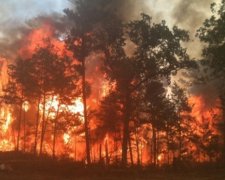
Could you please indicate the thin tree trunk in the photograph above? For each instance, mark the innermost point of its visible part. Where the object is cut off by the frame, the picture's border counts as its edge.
(43, 125)
(106, 152)
(167, 142)
(75, 147)
(24, 131)
(223, 129)
(131, 153)
(36, 129)
(141, 154)
(84, 98)
(157, 146)
(137, 146)
(125, 130)
(19, 128)
(224, 135)
(180, 139)
(55, 131)
(100, 153)
(154, 146)
(116, 147)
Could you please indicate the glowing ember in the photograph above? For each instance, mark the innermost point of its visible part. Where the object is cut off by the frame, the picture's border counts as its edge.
(26, 106)
(159, 157)
(66, 138)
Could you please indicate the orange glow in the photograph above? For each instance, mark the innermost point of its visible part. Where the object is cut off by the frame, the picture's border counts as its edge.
(6, 143)
(7, 123)
(40, 38)
(26, 106)
(159, 157)
(66, 138)
(203, 110)
(52, 105)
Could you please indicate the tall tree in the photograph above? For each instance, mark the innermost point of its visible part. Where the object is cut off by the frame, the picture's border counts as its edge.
(15, 92)
(90, 23)
(182, 109)
(157, 53)
(212, 33)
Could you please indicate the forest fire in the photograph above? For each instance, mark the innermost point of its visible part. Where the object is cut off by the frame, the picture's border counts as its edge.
(74, 92)
(72, 137)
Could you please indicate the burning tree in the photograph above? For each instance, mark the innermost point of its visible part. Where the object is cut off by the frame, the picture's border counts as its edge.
(41, 77)
(212, 33)
(91, 32)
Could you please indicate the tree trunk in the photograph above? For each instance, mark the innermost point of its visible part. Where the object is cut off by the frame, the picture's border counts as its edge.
(55, 131)
(154, 146)
(131, 153)
(75, 147)
(36, 128)
(167, 142)
(100, 153)
(137, 146)
(180, 139)
(43, 125)
(116, 147)
(106, 153)
(125, 129)
(19, 128)
(24, 131)
(86, 128)
(222, 98)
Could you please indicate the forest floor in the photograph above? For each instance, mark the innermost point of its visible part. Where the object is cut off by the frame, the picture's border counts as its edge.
(27, 167)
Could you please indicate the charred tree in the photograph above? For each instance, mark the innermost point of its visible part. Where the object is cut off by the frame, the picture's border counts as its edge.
(86, 124)
(37, 126)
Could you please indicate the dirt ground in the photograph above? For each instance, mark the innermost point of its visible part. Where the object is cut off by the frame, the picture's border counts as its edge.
(104, 175)
(28, 167)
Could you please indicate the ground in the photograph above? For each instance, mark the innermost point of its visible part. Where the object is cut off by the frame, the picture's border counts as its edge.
(28, 167)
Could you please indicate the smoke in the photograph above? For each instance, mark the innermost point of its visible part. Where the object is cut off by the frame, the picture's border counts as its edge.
(190, 15)
(19, 17)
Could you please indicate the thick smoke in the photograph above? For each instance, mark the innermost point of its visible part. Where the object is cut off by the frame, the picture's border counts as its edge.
(186, 14)
(190, 15)
(17, 18)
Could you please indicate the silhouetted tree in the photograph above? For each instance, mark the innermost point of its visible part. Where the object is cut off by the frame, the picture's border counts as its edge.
(157, 54)
(182, 109)
(212, 33)
(91, 22)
